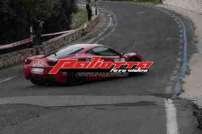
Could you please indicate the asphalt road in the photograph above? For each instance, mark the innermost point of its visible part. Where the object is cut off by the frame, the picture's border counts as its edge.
(139, 28)
(153, 34)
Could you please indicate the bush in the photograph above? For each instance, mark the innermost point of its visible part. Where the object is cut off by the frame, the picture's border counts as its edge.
(79, 18)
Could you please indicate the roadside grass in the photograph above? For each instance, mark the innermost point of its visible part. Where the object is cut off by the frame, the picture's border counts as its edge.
(79, 18)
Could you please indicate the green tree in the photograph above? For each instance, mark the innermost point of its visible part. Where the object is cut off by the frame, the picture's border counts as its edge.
(37, 12)
(18, 15)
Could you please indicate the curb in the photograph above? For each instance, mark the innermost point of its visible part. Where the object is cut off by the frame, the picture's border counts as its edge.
(197, 108)
(183, 67)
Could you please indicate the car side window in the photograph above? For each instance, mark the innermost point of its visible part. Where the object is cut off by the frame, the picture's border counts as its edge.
(68, 51)
(103, 51)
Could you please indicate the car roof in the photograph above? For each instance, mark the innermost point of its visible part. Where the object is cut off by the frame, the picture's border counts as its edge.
(82, 46)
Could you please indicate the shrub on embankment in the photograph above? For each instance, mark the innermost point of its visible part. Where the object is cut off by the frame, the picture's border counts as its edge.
(16, 17)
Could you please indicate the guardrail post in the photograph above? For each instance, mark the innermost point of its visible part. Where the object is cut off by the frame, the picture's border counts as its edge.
(89, 9)
(31, 32)
(38, 32)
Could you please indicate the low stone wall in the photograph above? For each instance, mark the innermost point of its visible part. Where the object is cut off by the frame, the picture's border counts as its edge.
(194, 5)
(47, 47)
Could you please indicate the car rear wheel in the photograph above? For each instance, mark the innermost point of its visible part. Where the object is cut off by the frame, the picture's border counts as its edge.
(37, 82)
(74, 79)
(137, 60)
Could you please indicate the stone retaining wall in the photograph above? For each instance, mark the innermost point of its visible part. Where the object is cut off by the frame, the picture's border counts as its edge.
(194, 5)
(47, 47)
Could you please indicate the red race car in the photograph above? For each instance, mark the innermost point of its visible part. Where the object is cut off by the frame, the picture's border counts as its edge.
(36, 68)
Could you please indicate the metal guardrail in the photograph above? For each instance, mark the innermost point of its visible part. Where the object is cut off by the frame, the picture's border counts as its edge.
(27, 42)
(58, 33)
(16, 44)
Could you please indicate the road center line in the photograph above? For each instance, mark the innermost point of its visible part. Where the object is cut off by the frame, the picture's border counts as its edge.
(171, 117)
(7, 79)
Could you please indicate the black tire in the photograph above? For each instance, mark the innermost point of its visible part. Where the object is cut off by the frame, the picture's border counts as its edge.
(37, 82)
(135, 59)
(73, 79)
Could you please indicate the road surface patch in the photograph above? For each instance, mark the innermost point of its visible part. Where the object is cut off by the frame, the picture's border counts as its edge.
(48, 101)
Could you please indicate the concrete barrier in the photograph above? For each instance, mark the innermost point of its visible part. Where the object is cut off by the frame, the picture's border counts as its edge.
(194, 5)
(47, 47)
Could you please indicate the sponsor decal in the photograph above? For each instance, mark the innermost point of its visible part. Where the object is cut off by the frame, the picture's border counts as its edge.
(99, 64)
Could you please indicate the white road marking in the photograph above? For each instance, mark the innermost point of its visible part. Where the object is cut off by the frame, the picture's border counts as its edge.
(102, 35)
(171, 116)
(7, 79)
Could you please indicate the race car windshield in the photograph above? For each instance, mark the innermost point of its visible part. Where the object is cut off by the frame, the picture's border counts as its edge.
(68, 51)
